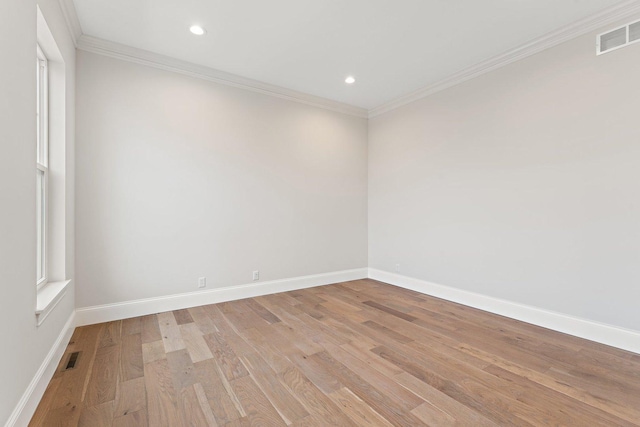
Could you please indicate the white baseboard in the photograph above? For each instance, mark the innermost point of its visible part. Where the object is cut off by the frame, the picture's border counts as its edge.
(127, 309)
(29, 401)
(599, 332)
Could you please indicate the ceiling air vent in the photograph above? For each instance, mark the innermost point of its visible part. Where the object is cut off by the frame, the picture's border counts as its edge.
(620, 37)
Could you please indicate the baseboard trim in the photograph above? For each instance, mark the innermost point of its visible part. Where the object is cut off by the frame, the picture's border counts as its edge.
(594, 331)
(31, 398)
(127, 309)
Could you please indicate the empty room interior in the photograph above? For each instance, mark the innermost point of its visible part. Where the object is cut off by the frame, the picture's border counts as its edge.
(320, 213)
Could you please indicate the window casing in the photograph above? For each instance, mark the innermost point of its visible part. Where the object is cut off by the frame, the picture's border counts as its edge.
(42, 166)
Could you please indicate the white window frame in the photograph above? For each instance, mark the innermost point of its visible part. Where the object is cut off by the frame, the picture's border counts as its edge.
(42, 165)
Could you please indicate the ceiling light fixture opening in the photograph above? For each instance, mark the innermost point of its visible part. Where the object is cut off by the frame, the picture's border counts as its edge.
(197, 30)
(350, 80)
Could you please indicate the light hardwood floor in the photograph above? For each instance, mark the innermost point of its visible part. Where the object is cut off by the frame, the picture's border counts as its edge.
(360, 353)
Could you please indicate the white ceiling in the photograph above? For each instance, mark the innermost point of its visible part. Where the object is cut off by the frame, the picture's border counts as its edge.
(392, 47)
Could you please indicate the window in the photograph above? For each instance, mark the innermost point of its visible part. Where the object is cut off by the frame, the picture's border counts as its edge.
(51, 144)
(42, 165)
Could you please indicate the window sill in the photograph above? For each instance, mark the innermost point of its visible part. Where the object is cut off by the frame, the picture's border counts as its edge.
(48, 297)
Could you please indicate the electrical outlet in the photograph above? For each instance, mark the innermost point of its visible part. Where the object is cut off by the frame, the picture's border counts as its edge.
(202, 282)
(256, 275)
(397, 268)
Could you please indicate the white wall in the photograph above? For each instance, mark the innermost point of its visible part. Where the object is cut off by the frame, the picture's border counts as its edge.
(523, 184)
(180, 178)
(25, 345)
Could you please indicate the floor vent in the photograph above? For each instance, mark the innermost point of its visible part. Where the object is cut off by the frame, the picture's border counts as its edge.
(72, 361)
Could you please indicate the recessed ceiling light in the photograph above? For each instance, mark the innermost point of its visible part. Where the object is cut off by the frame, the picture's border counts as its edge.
(350, 80)
(197, 30)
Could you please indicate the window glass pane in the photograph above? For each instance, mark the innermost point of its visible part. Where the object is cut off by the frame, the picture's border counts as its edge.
(41, 170)
(42, 99)
(41, 225)
(613, 39)
(634, 32)
(38, 111)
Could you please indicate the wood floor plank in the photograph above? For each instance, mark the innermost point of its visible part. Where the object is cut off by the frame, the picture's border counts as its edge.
(261, 311)
(203, 401)
(559, 407)
(315, 402)
(258, 408)
(64, 416)
(182, 317)
(191, 412)
(397, 336)
(464, 415)
(356, 353)
(403, 397)
(110, 334)
(131, 397)
(241, 422)
(97, 416)
(162, 401)
(150, 328)
(432, 416)
(132, 326)
(170, 332)
(201, 318)
(45, 403)
(183, 370)
(354, 408)
(131, 361)
(389, 408)
(470, 392)
(101, 387)
(229, 332)
(372, 360)
(339, 304)
(72, 388)
(606, 369)
(290, 327)
(152, 351)
(630, 413)
(228, 361)
(134, 419)
(224, 406)
(195, 343)
(298, 318)
(272, 346)
(244, 318)
(299, 339)
(310, 421)
(315, 372)
(267, 380)
(391, 311)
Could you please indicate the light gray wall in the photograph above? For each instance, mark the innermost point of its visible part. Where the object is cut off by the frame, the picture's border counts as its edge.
(25, 345)
(523, 184)
(180, 178)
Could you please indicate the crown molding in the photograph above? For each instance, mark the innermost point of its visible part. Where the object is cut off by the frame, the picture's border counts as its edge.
(623, 10)
(71, 18)
(608, 16)
(151, 59)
